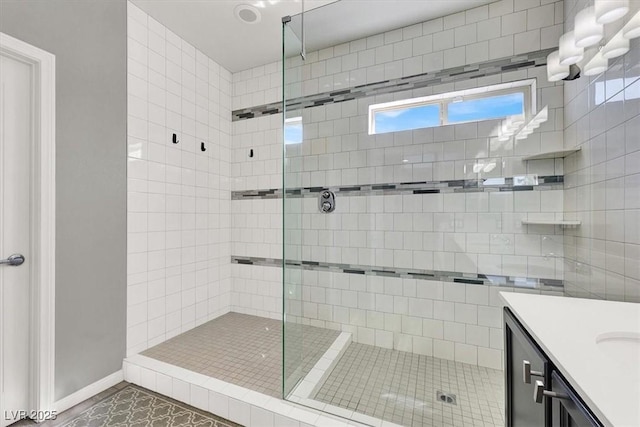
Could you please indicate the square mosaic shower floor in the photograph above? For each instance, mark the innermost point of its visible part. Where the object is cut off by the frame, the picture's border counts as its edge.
(244, 350)
(401, 387)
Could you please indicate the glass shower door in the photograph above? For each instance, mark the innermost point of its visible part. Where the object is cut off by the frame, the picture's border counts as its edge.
(292, 279)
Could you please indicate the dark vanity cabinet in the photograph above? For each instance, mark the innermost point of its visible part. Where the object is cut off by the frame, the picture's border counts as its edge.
(536, 393)
(524, 364)
(568, 410)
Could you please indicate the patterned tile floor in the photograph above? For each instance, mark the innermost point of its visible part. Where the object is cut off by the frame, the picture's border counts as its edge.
(136, 407)
(245, 350)
(127, 405)
(401, 387)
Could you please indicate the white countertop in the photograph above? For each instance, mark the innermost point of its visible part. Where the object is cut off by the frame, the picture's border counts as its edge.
(605, 375)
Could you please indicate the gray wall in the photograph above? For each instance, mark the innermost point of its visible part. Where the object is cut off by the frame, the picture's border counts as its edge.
(89, 41)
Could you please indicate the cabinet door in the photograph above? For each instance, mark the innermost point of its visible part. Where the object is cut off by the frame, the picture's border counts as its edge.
(569, 411)
(521, 408)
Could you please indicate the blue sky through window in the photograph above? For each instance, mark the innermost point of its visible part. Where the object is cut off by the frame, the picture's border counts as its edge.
(293, 131)
(423, 116)
(494, 107)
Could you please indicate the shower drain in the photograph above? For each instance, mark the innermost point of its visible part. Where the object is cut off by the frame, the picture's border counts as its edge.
(446, 397)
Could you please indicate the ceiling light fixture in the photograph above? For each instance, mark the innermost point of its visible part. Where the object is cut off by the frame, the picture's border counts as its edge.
(617, 46)
(607, 11)
(597, 65)
(632, 29)
(569, 53)
(587, 31)
(556, 71)
(247, 14)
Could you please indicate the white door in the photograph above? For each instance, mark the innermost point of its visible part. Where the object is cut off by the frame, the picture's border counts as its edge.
(16, 131)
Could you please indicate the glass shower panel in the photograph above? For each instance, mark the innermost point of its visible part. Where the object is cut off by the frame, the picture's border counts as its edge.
(306, 340)
(391, 306)
(292, 279)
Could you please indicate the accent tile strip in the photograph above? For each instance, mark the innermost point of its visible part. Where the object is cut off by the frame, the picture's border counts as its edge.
(552, 182)
(466, 72)
(410, 273)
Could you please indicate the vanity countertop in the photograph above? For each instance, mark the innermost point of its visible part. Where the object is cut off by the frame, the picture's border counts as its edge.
(596, 346)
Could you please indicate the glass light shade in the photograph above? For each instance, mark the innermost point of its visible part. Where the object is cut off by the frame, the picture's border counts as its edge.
(610, 10)
(555, 71)
(615, 47)
(632, 29)
(569, 53)
(587, 31)
(597, 65)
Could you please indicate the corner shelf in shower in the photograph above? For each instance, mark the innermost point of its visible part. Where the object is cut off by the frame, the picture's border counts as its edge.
(561, 223)
(553, 154)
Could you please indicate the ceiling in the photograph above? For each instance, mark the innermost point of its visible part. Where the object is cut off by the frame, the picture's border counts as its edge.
(212, 26)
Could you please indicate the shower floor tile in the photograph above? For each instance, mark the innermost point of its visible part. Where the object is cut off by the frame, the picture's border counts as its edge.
(241, 349)
(401, 388)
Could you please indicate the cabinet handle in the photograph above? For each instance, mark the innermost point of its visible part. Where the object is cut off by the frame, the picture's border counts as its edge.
(539, 392)
(527, 373)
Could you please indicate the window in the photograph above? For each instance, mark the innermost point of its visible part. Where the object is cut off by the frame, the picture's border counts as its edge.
(397, 119)
(473, 105)
(293, 130)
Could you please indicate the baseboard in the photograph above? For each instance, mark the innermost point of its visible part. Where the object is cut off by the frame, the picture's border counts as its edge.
(89, 391)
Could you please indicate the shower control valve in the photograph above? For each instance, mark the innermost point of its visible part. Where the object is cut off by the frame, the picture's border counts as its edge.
(327, 201)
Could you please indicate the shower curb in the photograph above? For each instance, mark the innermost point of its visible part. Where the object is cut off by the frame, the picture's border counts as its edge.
(307, 388)
(235, 403)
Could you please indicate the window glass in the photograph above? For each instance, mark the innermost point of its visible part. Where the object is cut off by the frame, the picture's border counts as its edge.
(486, 108)
(293, 130)
(421, 116)
(468, 105)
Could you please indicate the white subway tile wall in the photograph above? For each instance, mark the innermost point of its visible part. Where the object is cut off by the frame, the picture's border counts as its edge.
(463, 232)
(602, 182)
(178, 196)
(453, 321)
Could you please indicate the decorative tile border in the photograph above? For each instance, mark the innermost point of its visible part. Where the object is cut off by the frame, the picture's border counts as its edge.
(466, 72)
(518, 183)
(410, 273)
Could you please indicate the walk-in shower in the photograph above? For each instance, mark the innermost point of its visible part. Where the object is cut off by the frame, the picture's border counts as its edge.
(380, 191)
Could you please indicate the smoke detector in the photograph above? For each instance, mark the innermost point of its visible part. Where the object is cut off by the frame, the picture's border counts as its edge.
(247, 14)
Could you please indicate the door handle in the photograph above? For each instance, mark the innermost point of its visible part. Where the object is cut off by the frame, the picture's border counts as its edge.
(527, 373)
(539, 392)
(14, 260)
